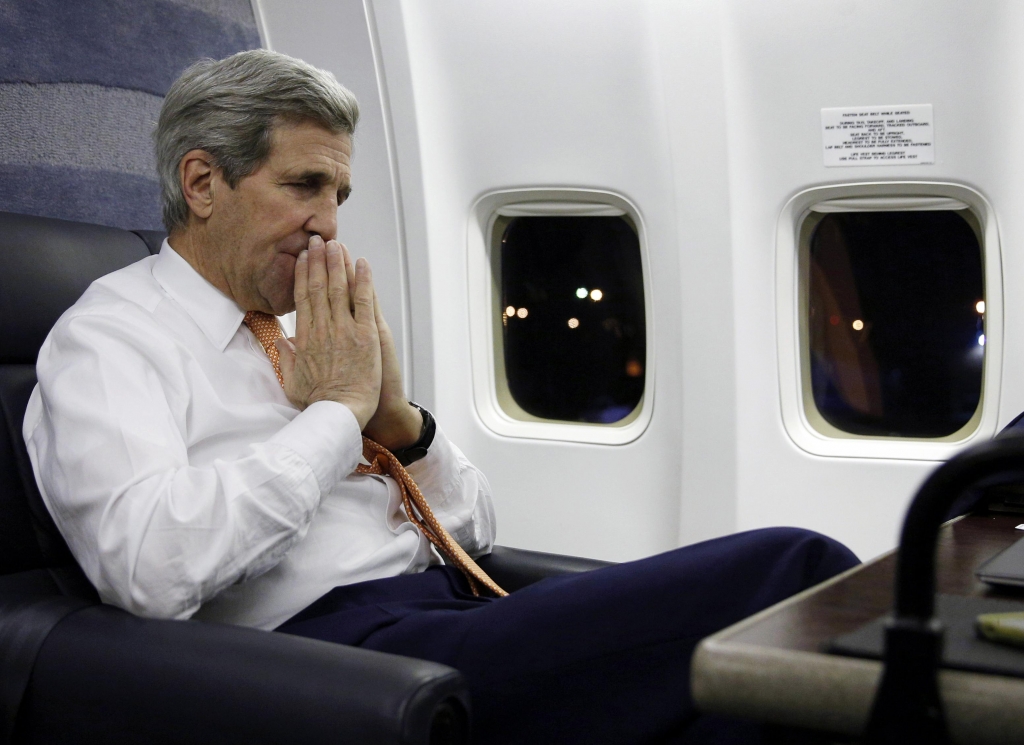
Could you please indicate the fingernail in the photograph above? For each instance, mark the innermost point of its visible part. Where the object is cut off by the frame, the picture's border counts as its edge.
(303, 255)
(316, 241)
(333, 247)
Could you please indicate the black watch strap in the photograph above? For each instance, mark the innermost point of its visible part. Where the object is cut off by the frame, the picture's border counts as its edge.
(418, 449)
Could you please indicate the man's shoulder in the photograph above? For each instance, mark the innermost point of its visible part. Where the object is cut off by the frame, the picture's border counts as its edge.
(123, 301)
(131, 288)
(120, 322)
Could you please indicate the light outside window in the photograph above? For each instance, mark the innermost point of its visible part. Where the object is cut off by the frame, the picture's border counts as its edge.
(895, 321)
(573, 328)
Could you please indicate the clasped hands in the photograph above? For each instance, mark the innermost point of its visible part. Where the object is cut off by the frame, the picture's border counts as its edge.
(343, 349)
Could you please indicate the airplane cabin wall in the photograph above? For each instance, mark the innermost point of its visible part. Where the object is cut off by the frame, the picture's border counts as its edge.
(525, 95)
(706, 116)
(783, 63)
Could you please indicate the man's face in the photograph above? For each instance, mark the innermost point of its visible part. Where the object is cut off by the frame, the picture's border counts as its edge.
(259, 228)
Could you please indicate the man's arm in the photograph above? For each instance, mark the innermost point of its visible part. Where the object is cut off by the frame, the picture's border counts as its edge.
(158, 534)
(155, 533)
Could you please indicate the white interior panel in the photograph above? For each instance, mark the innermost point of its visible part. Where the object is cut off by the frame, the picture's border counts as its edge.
(544, 95)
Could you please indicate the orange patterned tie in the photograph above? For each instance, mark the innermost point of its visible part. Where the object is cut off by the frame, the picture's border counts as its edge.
(267, 329)
(383, 462)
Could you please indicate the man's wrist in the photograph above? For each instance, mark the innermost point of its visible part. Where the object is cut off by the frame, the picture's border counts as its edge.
(418, 449)
(362, 405)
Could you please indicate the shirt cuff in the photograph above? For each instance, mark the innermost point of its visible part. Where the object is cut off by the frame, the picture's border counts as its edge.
(326, 435)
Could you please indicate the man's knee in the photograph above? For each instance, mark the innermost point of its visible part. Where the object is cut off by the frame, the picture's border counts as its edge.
(754, 569)
(806, 556)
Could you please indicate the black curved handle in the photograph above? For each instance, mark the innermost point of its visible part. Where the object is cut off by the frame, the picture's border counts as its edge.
(915, 567)
(908, 707)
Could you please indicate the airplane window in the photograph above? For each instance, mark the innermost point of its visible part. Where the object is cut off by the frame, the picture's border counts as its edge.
(572, 315)
(896, 322)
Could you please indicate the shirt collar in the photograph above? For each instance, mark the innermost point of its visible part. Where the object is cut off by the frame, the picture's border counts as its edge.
(217, 315)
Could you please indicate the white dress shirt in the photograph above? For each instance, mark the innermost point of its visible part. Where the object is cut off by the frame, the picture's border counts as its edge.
(185, 482)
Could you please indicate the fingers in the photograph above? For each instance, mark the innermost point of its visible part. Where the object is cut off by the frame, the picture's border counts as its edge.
(318, 284)
(351, 270)
(339, 283)
(303, 311)
(336, 354)
(329, 289)
(383, 330)
(286, 348)
(363, 296)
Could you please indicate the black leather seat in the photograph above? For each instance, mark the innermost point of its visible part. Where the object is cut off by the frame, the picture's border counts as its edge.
(74, 670)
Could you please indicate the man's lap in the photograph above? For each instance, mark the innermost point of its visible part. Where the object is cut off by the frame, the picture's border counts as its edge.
(617, 639)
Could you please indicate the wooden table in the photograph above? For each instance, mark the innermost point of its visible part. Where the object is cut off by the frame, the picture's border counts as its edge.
(770, 667)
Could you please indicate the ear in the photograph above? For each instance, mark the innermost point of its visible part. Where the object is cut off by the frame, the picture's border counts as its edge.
(195, 170)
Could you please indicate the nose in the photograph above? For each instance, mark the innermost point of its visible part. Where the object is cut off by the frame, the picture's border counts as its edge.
(324, 220)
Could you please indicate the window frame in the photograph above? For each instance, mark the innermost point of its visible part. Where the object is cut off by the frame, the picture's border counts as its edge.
(492, 398)
(801, 419)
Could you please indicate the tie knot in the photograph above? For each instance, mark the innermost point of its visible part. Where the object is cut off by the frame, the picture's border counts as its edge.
(263, 324)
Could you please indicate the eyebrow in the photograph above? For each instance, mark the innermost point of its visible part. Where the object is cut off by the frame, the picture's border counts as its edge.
(320, 177)
(317, 176)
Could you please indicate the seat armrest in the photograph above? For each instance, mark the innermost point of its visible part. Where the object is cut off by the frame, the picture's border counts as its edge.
(104, 675)
(515, 568)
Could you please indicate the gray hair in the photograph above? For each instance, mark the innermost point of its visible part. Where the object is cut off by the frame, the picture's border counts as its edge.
(229, 108)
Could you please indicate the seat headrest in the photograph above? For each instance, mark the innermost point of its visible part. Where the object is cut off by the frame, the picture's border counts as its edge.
(45, 266)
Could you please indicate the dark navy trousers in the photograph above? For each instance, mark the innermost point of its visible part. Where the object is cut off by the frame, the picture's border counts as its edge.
(599, 657)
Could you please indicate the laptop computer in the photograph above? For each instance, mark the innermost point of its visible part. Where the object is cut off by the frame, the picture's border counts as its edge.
(1005, 568)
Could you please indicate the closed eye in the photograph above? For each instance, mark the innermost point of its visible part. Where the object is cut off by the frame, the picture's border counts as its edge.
(314, 185)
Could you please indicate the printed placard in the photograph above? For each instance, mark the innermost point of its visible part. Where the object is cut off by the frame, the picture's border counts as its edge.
(878, 135)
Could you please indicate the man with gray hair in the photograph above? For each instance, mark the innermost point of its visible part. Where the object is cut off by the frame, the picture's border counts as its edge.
(193, 477)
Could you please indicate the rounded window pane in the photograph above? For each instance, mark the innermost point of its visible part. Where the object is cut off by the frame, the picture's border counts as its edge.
(896, 322)
(572, 306)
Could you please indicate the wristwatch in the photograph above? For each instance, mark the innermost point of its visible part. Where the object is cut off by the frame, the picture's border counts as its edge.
(418, 449)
